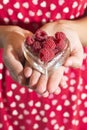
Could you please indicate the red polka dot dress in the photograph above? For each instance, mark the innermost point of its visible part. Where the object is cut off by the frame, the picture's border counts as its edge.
(23, 109)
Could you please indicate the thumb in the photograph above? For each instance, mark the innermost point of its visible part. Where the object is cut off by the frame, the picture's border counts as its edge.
(75, 60)
(14, 66)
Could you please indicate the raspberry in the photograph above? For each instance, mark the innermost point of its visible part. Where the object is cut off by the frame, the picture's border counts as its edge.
(40, 35)
(60, 35)
(50, 43)
(29, 40)
(61, 45)
(46, 55)
(36, 46)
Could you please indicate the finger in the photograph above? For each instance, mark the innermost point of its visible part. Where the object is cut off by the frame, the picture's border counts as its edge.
(63, 82)
(14, 66)
(45, 94)
(57, 91)
(34, 78)
(42, 84)
(54, 79)
(27, 70)
(76, 58)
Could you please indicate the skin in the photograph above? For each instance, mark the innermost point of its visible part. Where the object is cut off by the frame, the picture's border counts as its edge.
(12, 39)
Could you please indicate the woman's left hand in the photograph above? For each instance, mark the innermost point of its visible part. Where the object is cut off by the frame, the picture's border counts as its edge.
(46, 85)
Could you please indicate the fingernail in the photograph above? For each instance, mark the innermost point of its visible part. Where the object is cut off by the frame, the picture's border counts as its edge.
(20, 79)
(69, 63)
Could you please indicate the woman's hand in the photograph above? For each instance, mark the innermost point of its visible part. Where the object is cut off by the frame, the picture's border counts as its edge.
(45, 85)
(12, 40)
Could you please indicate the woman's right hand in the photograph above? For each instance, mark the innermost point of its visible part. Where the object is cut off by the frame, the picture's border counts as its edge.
(12, 40)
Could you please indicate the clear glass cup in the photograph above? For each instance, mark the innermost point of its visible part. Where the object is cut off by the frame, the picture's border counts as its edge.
(42, 67)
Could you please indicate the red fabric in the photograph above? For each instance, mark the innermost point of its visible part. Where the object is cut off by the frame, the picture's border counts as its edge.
(22, 108)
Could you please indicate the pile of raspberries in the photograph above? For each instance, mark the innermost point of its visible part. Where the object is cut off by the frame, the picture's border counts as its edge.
(44, 46)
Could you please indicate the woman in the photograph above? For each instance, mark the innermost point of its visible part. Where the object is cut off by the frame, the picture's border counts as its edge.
(21, 107)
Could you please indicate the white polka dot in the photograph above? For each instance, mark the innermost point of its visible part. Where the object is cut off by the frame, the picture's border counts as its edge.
(30, 103)
(62, 128)
(15, 112)
(7, 73)
(79, 7)
(75, 122)
(66, 103)
(43, 4)
(54, 102)
(77, 14)
(9, 93)
(13, 86)
(52, 7)
(58, 16)
(59, 108)
(10, 11)
(64, 97)
(81, 112)
(48, 14)
(37, 117)
(46, 106)
(5, 117)
(61, 2)
(43, 20)
(15, 123)
(53, 121)
(6, 20)
(26, 5)
(56, 127)
(35, 2)
(38, 104)
(84, 119)
(1, 66)
(71, 89)
(34, 111)
(26, 20)
(72, 17)
(65, 120)
(39, 12)
(20, 15)
(1, 105)
(28, 121)
(72, 81)
(1, 6)
(22, 105)
(45, 119)
(66, 114)
(17, 5)
(52, 114)
(1, 125)
(20, 116)
(42, 112)
(5, 1)
(31, 13)
(85, 5)
(22, 90)
(22, 127)
(1, 76)
(13, 104)
(17, 97)
(75, 113)
(73, 97)
(83, 96)
(74, 107)
(66, 10)
(35, 126)
(10, 128)
(85, 104)
(26, 112)
(79, 102)
(75, 4)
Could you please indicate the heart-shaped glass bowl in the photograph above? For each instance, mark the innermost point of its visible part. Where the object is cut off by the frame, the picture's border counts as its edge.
(42, 67)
